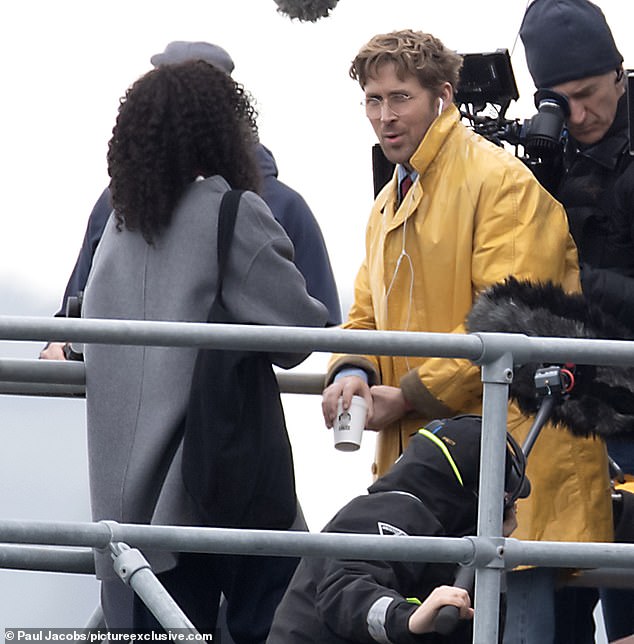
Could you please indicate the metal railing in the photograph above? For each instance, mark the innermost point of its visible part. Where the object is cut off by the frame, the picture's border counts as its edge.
(487, 550)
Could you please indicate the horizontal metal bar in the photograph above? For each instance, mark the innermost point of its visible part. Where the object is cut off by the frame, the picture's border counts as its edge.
(301, 383)
(42, 390)
(63, 372)
(47, 559)
(230, 541)
(81, 561)
(55, 533)
(289, 543)
(66, 378)
(602, 578)
(238, 336)
(568, 554)
(478, 347)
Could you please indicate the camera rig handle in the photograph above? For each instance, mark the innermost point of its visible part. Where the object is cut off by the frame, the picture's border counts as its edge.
(448, 616)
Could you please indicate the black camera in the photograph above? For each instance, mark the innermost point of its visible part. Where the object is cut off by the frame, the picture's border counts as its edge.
(486, 79)
(487, 82)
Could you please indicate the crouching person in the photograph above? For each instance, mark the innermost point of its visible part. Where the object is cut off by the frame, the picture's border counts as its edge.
(430, 491)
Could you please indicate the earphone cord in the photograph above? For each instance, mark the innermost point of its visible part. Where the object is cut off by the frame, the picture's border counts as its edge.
(403, 255)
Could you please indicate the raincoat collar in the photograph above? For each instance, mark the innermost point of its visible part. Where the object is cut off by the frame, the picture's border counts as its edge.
(434, 139)
(387, 201)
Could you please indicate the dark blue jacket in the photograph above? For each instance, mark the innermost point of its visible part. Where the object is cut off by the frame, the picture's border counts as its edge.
(289, 209)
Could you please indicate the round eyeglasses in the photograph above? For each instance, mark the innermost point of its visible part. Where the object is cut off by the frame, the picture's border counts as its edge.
(396, 103)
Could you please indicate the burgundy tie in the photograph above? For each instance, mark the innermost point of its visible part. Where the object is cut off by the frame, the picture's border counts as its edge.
(406, 184)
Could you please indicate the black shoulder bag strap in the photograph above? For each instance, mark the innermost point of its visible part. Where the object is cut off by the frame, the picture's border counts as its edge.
(226, 225)
(237, 459)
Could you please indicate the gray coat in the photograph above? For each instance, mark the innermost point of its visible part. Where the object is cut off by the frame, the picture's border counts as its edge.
(137, 396)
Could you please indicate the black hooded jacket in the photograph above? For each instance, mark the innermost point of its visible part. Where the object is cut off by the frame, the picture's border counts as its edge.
(335, 601)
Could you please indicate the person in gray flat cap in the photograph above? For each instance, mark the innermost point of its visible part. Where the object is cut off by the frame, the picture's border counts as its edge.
(570, 50)
(181, 51)
(310, 257)
(288, 207)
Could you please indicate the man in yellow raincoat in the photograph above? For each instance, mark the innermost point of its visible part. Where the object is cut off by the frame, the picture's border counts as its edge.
(473, 215)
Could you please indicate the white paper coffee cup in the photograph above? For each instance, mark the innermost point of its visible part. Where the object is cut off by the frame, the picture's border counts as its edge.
(349, 424)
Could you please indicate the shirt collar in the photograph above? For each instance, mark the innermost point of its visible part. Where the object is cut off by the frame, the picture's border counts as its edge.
(403, 172)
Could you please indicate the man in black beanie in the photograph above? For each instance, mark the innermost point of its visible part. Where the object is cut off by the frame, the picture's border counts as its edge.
(570, 50)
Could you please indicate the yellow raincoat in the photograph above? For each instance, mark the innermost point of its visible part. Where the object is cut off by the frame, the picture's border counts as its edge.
(474, 216)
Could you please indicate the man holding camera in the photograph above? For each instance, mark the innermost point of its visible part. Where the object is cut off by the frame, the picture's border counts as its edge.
(570, 50)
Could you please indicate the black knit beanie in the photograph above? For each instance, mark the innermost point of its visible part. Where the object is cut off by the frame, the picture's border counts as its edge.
(567, 40)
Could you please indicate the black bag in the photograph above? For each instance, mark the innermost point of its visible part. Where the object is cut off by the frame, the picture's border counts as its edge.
(237, 460)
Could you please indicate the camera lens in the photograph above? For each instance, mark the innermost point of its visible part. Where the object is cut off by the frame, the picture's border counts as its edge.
(545, 130)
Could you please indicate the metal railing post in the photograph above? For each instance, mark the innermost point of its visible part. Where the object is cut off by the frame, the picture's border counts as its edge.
(497, 374)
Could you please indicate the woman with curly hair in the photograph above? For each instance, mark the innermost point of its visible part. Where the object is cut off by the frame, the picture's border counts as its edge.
(184, 136)
(176, 123)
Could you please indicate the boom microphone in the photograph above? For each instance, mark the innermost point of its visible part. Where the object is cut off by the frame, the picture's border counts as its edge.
(306, 10)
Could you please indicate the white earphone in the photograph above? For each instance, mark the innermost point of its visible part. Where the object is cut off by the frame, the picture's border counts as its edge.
(440, 106)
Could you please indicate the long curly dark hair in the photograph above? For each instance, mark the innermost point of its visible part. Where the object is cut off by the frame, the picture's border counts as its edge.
(175, 123)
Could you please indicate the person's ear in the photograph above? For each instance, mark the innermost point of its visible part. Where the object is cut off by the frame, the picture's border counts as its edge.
(446, 94)
(619, 75)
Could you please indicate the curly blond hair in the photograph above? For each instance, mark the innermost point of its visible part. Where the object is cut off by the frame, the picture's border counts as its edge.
(414, 53)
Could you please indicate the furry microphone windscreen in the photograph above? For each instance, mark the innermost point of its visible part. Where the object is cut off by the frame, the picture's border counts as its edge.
(602, 399)
(306, 10)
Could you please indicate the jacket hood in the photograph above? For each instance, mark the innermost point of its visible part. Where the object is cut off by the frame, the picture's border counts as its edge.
(441, 467)
(266, 161)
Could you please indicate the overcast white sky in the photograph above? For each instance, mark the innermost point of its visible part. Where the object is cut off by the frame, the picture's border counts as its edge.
(66, 63)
